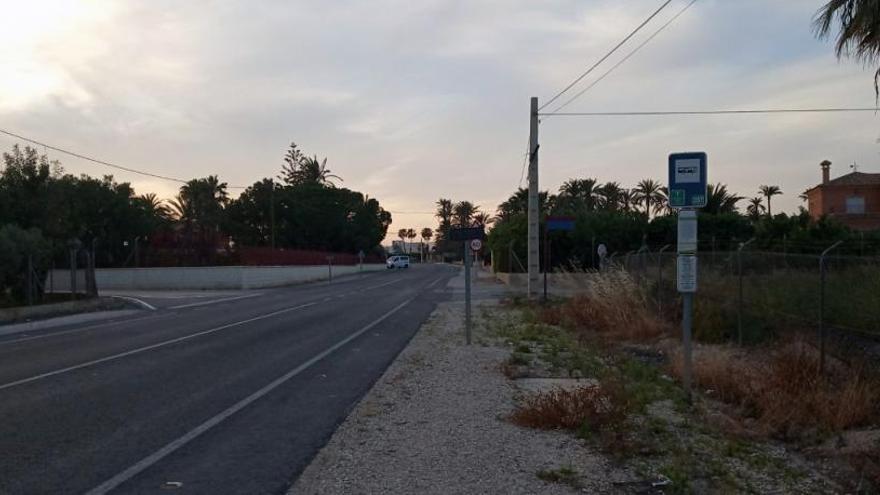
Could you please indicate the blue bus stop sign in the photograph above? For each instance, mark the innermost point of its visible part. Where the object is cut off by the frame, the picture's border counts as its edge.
(687, 180)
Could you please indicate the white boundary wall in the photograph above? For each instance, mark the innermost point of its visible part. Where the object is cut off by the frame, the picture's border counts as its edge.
(205, 278)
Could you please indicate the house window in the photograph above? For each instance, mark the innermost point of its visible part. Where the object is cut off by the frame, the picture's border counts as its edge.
(855, 205)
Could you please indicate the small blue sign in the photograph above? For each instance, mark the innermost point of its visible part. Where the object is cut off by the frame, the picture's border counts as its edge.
(560, 223)
(687, 180)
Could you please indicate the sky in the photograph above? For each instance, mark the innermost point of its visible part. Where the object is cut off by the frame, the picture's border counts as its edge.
(413, 101)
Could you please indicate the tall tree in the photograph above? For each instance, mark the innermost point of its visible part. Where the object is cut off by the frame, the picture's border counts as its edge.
(648, 193)
(426, 234)
(858, 35)
(576, 195)
(610, 196)
(463, 213)
(720, 200)
(411, 234)
(444, 214)
(518, 204)
(402, 234)
(755, 208)
(314, 172)
(299, 169)
(768, 192)
(483, 219)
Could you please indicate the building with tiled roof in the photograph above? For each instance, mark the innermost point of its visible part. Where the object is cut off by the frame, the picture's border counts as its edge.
(853, 199)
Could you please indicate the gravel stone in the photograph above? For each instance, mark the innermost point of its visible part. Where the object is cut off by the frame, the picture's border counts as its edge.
(435, 423)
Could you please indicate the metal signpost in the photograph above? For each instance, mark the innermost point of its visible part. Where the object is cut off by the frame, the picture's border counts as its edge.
(687, 194)
(472, 239)
(564, 224)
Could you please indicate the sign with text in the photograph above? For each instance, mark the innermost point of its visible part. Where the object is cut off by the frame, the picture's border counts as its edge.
(466, 233)
(560, 223)
(687, 232)
(687, 180)
(687, 273)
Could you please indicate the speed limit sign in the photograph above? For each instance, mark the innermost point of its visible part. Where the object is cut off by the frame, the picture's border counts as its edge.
(476, 244)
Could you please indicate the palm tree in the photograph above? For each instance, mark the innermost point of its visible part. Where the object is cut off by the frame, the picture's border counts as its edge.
(444, 214)
(463, 213)
(720, 200)
(426, 233)
(402, 234)
(152, 205)
(578, 195)
(299, 169)
(410, 234)
(648, 192)
(755, 208)
(483, 219)
(857, 38)
(315, 172)
(518, 203)
(768, 192)
(627, 199)
(610, 196)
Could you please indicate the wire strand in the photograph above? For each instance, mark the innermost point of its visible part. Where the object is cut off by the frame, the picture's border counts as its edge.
(627, 57)
(100, 162)
(591, 69)
(709, 112)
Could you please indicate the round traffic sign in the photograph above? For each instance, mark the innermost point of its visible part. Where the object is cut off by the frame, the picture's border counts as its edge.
(476, 244)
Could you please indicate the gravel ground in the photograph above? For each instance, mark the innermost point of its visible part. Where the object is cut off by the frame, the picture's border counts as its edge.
(434, 423)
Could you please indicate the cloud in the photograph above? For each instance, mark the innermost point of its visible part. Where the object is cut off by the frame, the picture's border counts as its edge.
(411, 101)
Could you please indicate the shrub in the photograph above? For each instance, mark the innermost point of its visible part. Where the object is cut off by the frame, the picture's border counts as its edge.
(613, 305)
(598, 407)
(783, 389)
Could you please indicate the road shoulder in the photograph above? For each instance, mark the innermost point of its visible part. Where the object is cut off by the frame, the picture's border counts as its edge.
(435, 422)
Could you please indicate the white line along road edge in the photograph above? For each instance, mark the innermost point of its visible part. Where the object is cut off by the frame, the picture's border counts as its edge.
(215, 301)
(150, 347)
(158, 455)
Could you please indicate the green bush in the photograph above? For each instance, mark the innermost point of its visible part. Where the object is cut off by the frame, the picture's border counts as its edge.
(16, 244)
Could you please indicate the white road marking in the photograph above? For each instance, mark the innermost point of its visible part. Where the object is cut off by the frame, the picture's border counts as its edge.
(382, 285)
(137, 301)
(432, 284)
(149, 347)
(163, 452)
(84, 329)
(214, 301)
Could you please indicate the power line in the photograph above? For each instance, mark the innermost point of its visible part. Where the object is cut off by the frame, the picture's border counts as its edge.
(591, 69)
(628, 56)
(522, 172)
(710, 112)
(100, 162)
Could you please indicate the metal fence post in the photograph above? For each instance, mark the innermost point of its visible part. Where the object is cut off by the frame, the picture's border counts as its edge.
(73, 273)
(739, 306)
(30, 280)
(822, 275)
(660, 278)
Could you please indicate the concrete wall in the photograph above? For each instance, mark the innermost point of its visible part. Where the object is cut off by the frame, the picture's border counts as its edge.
(205, 278)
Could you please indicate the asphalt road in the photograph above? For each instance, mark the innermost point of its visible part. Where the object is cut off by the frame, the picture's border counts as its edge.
(233, 397)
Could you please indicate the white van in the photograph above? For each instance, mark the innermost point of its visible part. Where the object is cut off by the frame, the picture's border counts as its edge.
(397, 262)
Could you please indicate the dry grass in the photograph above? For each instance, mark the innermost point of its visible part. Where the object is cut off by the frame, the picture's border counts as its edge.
(783, 390)
(612, 305)
(596, 407)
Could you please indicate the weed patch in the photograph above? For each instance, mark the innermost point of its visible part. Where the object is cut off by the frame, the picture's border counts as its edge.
(595, 407)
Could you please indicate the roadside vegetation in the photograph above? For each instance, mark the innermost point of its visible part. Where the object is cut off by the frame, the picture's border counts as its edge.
(763, 417)
(44, 212)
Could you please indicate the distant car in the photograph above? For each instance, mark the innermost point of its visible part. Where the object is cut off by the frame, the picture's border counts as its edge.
(397, 262)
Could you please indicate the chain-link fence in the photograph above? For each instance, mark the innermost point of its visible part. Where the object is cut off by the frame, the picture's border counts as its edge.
(748, 297)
